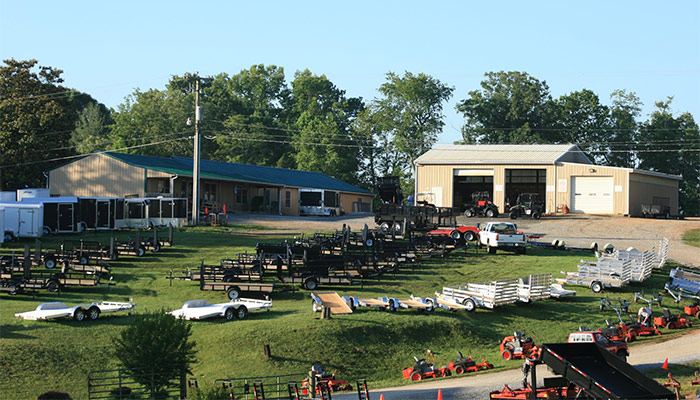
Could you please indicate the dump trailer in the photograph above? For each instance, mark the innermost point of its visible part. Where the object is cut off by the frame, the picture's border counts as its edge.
(587, 371)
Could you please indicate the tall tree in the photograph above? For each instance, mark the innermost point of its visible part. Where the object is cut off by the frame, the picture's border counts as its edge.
(511, 107)
(92, 129)
(626, 108)
(672, 145)
(255, 132)
(581, 120)
(37, 116)
(322, 117)
(410, 113)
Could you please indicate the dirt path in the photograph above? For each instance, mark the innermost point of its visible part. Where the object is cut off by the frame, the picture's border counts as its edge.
(679, 350)
(575, 230)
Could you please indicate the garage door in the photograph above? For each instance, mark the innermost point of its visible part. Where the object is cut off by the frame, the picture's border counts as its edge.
(592, 194)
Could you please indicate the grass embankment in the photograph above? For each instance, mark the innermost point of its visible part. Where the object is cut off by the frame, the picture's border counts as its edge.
(40, 356)
(692, 237)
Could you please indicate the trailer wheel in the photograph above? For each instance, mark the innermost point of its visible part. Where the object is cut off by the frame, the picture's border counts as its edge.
(385, 227)
(469, 213)
(93, 313)
(13, 289)
(456, 235)
(233, 292)
(315, 306)
(469, 304)
(459, 370)
(469, 236)
(392, 306)
(53, 286)
(9, 236)
(140, 251)
(114, 256)
(430, 304)
(79, 314)
(596, 287)
(50, 262)
(310, 284)
(229, 314)
(241, 312)
(45, 231)
(507, 354)
(156, 248)
(416, 376)
(83, 259)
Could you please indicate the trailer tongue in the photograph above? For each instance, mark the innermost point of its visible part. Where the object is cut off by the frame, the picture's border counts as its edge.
(587, 370)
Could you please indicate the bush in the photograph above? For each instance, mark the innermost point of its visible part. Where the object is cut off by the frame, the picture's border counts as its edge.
(156, 348)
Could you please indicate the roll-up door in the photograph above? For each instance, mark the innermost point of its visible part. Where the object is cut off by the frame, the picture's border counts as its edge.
(592, 194)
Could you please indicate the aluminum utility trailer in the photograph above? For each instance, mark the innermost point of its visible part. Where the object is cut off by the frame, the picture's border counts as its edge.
(233, 289)
(484, 294)
(81, 312)
(599, 275)
(535, 287)
(598, 373)
(684, 283)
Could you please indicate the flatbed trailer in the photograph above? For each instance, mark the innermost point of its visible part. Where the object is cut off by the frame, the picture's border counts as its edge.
(233, 289)
(92, 311)
(586, 371)
(52, 281)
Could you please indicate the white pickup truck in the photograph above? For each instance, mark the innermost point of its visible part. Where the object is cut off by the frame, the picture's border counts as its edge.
(201, 309)
(79, 313)
(502, 235)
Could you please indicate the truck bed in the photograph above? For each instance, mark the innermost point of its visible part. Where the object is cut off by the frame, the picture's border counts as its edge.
(600, 373)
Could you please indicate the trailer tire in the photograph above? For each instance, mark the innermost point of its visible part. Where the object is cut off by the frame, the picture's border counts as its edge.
(392, 306)
(469, 304)
(83, 259)
(140, 251)
(45, 231)
(596, 287)
(469, 213)
(459, 370)
(315, 306)
(233, 292)
(416, 376)
(79, 314)
(241, 312)
(12, 289)
(93, 313)
(9, 236)
(156, 248)
(50, 262)
(430, 304)
(456, 235)
(114, 256)
(53, 286)
(310, 284)
(507, 354)
(384, 226)
(469, 236)
(229, 314)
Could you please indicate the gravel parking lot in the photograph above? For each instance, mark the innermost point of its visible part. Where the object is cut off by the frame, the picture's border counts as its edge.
(575, 230)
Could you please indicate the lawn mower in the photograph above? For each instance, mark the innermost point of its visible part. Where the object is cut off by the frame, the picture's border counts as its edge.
(424, 370)
(669, 321)
(692, 309)
(334, 385)
(468, 365)
(630, 331)
(518, 347)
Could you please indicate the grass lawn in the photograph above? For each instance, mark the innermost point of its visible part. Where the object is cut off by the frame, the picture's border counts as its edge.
(692, 237)
(683, 373)
(37, 356)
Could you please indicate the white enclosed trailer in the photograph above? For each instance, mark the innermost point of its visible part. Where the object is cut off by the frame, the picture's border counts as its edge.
(22, 219)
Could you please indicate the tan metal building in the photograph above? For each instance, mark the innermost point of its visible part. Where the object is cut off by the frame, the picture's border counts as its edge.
(237, 187)
(561, 174)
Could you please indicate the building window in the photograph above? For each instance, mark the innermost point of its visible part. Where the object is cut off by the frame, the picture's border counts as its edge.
(287, 199)
(241, 195)
(526, 176)
(209, 192)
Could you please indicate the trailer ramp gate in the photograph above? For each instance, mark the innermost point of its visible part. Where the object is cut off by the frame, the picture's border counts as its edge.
(601, 374)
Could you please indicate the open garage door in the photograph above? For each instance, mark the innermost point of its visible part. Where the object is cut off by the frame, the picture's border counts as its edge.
(592, 194)
(467, 181)
(522, 180)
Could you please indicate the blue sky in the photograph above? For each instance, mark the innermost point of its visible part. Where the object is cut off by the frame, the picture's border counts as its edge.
(109, 48)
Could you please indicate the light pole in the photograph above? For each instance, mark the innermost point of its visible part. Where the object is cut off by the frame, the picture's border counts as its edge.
(197, 154)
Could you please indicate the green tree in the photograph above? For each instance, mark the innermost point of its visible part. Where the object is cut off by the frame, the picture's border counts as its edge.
(511, 107)
(626, 108)
(581, 120)
(321, 118)
(92, 129)
(671, 145)
(37, 116)
(155, 348)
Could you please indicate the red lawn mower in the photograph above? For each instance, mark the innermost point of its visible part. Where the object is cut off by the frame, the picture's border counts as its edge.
(519, 347)
(669, 321)
(424, 370)
(464, 365)
(334, 385)
(692, 310)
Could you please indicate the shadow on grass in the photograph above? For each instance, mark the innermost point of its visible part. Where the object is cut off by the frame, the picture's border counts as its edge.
(18, 331)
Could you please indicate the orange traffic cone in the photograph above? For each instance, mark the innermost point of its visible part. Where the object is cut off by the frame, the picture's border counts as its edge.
(665, 366)
(381, 397)
(439, 394)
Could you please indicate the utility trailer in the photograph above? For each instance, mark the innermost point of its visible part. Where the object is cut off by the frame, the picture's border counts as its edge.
(685, 281)
(14, 282)
(22, 220)
(600, 275)
(92, 311)
(483, 294)
(535, 287)
(202, 309)
(233, 289)
(587, 371)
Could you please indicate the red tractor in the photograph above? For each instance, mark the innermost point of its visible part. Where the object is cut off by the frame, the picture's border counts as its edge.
(468, 365)
(424, 370)
(669, 321)
(693, 309)
(334, 385)
(518, 347)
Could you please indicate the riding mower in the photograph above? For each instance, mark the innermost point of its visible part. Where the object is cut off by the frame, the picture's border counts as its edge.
(468, 365)
(519, 347)
(669, 321)
(424, 370)
(627, 331)
(692, 309)
(334, 385)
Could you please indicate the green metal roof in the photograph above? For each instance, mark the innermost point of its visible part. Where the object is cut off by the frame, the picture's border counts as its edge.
(239, 172)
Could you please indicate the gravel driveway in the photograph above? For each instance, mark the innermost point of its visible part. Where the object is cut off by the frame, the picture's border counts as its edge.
(575, 230)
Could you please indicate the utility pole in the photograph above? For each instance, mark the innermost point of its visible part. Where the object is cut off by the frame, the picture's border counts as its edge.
(197, 155)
